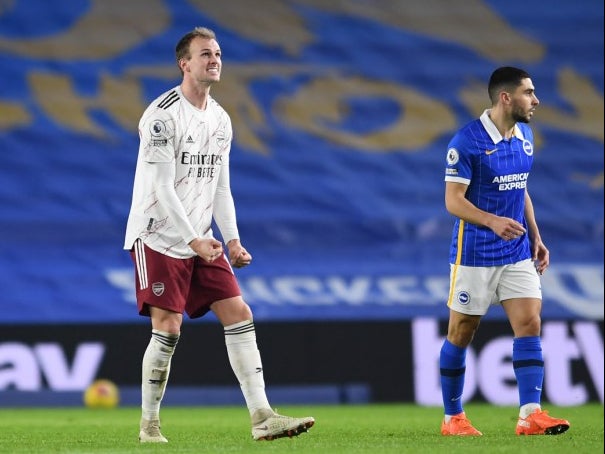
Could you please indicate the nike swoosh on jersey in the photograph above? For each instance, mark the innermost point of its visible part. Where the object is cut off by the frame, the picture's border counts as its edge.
(488, 152)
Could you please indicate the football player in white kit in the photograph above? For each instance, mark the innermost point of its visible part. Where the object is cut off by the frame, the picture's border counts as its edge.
(181, 184)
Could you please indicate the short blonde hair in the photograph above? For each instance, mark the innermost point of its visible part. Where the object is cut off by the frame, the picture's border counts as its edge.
(182, 47)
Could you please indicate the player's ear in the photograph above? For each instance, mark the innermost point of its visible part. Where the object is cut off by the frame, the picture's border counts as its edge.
(183, 64)
(505, 97)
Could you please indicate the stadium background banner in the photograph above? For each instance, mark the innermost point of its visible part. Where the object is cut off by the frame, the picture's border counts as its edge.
(339, 362)
(342, 112)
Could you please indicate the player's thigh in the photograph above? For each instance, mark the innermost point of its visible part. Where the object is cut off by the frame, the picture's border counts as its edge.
(473, 288)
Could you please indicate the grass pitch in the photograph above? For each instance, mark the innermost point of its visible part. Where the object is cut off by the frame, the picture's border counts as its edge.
(376, 429)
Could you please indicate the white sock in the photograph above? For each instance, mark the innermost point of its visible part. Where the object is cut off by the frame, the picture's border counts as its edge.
(156, 368)
(245, 361)
(448, 418)
(528, 409)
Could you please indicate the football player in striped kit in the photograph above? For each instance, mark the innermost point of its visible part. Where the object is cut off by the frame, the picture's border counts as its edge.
(496, 253)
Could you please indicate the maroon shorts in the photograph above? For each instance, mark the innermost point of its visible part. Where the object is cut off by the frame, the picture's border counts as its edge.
(180, 285)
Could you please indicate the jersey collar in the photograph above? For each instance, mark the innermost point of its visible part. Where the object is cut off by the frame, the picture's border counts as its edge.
(493, 132)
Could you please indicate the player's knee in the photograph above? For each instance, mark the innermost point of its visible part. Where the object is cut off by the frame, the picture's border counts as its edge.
(232, 310)
(246, 311)
(240, 312)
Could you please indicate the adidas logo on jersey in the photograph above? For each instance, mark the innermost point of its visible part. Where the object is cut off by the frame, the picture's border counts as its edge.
(189, 139)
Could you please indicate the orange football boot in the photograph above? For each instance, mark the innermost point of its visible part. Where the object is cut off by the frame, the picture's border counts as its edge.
(459, 425)
(540, 423)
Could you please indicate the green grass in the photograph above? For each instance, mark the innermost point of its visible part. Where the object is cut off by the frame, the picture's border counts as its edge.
(376, 429)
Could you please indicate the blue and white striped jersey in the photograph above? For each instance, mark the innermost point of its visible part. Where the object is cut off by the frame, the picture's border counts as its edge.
(496, 172)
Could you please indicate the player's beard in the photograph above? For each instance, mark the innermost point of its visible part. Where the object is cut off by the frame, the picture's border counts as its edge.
(520, 116)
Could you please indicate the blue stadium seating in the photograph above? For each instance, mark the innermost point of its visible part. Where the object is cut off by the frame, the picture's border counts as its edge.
(342, 112)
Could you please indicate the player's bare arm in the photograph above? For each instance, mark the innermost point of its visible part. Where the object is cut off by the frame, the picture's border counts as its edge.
(458, 205)
(539, 252)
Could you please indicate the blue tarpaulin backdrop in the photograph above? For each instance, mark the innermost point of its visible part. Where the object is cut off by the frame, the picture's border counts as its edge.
(342, 113)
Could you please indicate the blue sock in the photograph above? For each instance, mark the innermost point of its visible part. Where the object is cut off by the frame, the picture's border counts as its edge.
(529, 368)
(452, 366)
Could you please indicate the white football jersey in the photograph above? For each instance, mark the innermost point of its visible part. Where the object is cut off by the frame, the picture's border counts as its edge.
(197, 143)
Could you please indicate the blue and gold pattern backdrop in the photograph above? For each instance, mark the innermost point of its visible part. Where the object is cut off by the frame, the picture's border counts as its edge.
(342, 112)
